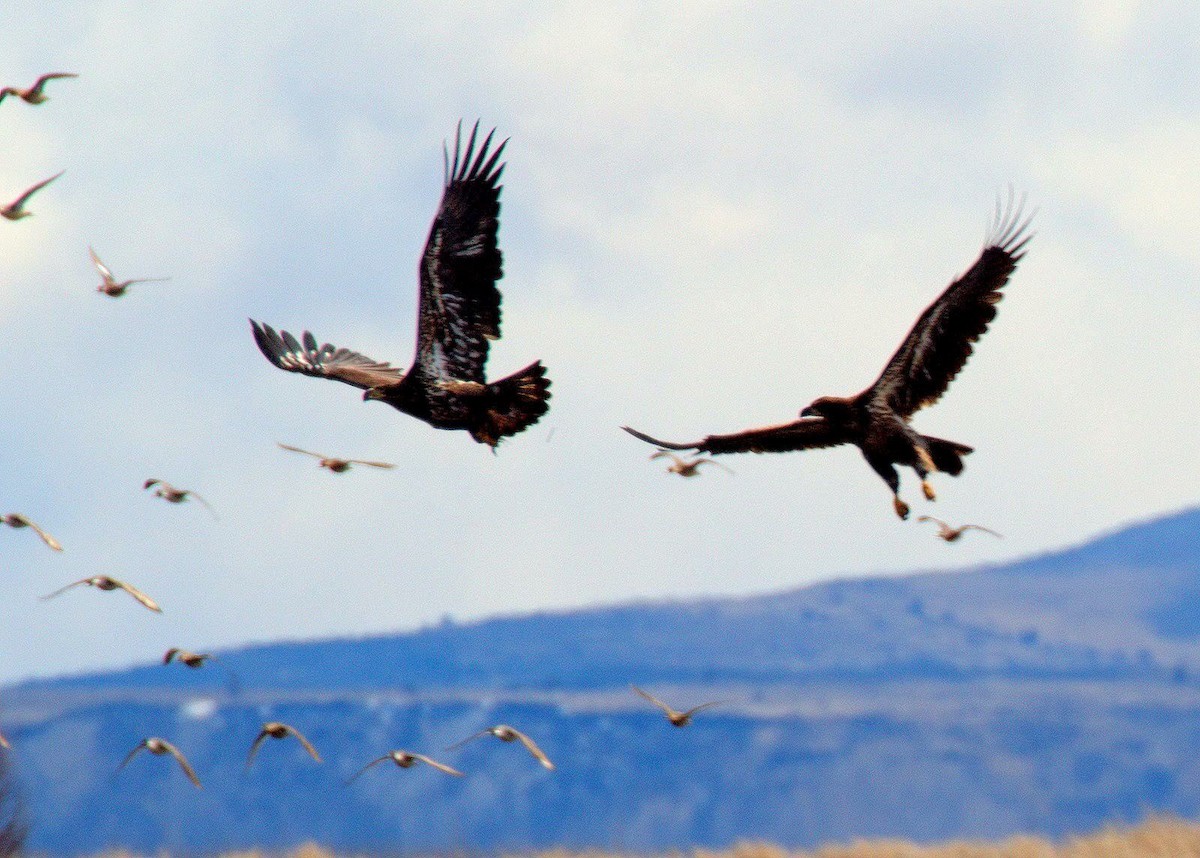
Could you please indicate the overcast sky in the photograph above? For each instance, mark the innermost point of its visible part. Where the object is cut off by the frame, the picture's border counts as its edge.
(712, 214)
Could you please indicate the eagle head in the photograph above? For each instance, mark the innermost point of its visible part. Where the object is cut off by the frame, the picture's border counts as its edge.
(829, 407)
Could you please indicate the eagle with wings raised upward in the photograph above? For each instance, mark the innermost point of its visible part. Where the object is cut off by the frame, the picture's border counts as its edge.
(933, 353)
(459, 313)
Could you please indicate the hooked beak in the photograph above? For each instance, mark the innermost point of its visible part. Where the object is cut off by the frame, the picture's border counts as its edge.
(809, 411)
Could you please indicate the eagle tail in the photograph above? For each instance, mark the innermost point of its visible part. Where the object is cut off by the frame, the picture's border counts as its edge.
(947, 455)
(513, 404)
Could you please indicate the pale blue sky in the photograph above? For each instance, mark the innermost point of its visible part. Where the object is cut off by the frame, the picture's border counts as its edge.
(712, 214)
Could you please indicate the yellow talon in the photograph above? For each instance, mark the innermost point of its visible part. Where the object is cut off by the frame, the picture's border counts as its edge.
(901, 507)
(928, 489)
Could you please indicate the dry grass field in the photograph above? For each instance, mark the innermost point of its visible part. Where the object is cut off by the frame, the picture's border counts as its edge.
(1158, 837)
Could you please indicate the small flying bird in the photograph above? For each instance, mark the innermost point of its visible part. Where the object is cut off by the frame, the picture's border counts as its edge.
(185, 657)
(109, 284)
(509, 734)
(953, 534)
(169, 493)
(34, 94)
(918, 374)
(4, 743)
(16, 209)
(686, 468)
(405, 760)
(338, 466)
(160, 747)
(16, 520)
(458, 314)
(677, 718)
(279, 730)
(103, 582)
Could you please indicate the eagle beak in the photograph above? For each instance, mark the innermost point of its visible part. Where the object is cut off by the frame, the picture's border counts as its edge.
(809, 412)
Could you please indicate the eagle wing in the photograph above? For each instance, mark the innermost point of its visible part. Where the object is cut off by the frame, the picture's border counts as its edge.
(459, 302)
(809, 433)
(940, 342)
(283, 350)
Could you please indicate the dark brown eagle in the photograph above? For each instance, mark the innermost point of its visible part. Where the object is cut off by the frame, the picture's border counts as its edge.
(933, 353)
(459, 313)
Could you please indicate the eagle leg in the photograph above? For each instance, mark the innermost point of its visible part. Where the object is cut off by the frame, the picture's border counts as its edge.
(888, 473)
(900, 506)
(930, 494)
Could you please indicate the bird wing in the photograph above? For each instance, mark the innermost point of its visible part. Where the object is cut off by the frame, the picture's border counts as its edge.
(981, 527)
(325, 361)
(41, 81)
(808, 433)
(358, 774)
(153, 482)
(689, 712)
(46, 538)
(140, 746)
(459, 302)
(139, 595)
(372, 464)
(255, 745)
(663, 706)
(183, 763)
(532, 748)
(312, 752)
(298, 450)
(940, 342)
(720, 465)
(471, 738)
(62, 590)
(205, 504)
(170, 654)
(441, 767)
(664, 454)
(104, 270)
(20, 201)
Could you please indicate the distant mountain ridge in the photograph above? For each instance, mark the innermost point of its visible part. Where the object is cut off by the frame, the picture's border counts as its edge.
(1052, 694)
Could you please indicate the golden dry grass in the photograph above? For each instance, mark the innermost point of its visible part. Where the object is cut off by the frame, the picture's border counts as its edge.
(1157, 837)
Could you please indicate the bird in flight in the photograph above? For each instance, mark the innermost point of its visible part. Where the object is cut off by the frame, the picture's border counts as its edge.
(110, 286)
(160, 747)
(4, 743)
(338, 466)
(405, 760)
(686, 467)
(677, 718)
(34, 94)
(953, 534)
(279, 730)
(458, 314)
(169, 493)
(185, 657)
(509, 734)
(16, 520)
(16, 209)
(103, 582)
(918, 374)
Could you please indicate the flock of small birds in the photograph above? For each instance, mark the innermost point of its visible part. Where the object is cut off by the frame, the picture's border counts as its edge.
(446, 386)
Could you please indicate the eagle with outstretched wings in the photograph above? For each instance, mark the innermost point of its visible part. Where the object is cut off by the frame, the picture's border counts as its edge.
(918, 374)
(458, 315)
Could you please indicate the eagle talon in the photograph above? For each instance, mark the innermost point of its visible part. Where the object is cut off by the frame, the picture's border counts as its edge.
(901, 507)
(930, 494)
